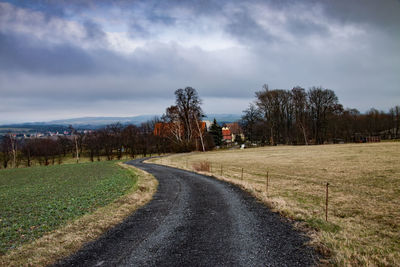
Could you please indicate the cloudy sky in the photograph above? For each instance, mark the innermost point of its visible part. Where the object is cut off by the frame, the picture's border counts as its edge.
(65, 59)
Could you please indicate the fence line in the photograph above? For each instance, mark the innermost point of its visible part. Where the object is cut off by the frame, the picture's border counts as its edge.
(239, 173)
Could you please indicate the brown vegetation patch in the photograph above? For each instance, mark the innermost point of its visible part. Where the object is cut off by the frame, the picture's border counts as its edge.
(202, 166)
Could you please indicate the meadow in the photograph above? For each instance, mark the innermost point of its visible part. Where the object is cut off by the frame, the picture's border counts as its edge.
(363, 226)
(37, 200)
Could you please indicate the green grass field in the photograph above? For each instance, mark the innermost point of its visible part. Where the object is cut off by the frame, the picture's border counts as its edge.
(34, 201)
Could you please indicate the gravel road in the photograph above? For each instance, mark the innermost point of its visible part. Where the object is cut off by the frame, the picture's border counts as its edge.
(195, 220)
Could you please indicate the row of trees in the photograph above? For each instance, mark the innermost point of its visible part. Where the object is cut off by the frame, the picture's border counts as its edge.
(111, 142)
(181, 130)
(315, 116)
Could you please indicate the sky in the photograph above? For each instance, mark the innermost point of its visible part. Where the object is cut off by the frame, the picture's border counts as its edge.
(67, 59)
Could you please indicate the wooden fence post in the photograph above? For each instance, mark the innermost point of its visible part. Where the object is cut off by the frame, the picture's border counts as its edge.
(242, 174)
(266, 185)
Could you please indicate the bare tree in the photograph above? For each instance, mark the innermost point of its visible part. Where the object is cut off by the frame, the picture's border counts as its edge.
(250, 121)
(321, 101)
(6, 150)
(395, 114)
(300, 110)
(275, 106)
(13, 143)
(183, 120)
(172, 127)
(74, 135)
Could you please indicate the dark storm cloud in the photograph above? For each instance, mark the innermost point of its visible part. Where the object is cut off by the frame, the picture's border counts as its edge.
(27, 54)
(381, 13)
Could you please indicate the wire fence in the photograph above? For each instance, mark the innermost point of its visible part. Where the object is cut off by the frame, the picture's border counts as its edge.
(266, 180)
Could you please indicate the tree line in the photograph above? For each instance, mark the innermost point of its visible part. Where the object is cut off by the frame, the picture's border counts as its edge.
(181, 131)
(113, 141)
(314, 116)
(277, 116)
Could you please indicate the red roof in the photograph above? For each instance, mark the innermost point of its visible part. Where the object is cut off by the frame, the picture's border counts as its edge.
(226, 134)
(235, 128)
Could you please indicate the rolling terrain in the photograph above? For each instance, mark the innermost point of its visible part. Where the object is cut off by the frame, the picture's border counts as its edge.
(364, 188)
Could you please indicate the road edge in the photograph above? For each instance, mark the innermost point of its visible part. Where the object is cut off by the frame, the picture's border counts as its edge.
(260, 195)
(68, 239)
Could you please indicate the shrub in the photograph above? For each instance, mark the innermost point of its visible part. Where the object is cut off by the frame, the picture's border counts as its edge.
(203, 166)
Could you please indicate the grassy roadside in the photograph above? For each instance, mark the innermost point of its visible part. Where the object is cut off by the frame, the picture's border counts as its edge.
(363, 225)
(67, 238)
(69, 159)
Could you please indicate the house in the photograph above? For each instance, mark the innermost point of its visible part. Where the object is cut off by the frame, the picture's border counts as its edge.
(226, 135)
(236, 131)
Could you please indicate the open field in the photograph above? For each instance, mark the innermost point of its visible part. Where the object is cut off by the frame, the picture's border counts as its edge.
(70, 237)
(363, 225)
(34, 201)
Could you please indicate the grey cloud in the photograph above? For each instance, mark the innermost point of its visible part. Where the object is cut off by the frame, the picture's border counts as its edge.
(94, 31)
(303, 27)
(384, 13)
(137, 30)
(67, 75)
(25, 54)
(371, 15)
(245, 28)
(48, 8)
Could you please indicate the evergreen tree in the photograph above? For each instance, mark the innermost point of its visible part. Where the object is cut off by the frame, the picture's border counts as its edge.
(216, 133)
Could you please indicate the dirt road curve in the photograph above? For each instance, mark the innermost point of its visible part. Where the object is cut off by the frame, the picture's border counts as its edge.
(195, 220)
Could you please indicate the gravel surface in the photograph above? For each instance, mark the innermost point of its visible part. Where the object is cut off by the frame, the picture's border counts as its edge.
(195, 220)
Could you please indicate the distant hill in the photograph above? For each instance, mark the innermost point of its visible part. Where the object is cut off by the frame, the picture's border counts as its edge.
(30, 128)
(223, 118)
(97, 122)
(101, 121)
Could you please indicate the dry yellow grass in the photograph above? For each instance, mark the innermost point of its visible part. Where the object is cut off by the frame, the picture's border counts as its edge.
(68, 239)
(363, 225)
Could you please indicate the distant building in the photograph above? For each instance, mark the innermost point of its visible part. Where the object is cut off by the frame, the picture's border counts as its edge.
(226, 135)
(358, 138)
(235, 131)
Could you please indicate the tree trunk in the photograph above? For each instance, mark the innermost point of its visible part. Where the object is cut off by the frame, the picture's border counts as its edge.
(304, 133)
(201, 135)
(77, 150)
